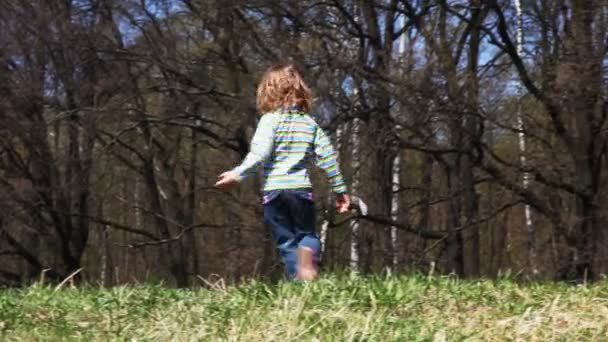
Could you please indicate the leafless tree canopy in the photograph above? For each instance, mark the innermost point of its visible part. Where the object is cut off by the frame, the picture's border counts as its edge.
(116, 116)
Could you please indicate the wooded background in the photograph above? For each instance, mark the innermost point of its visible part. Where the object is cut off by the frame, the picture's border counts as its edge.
(474, 130)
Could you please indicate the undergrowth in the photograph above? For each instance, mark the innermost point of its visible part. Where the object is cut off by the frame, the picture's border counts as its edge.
(334, 308)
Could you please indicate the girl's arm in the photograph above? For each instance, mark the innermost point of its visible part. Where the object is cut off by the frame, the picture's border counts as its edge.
(261, 149)
(327, 159)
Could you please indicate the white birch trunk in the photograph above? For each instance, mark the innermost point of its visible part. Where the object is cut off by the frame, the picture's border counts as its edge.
(103, 269)
(395, 206)
(355, 164)
(531, 230)
(105, 251)
(396, 182)
(323, 236)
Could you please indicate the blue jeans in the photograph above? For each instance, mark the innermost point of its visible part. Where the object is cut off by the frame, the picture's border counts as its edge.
(291, 215)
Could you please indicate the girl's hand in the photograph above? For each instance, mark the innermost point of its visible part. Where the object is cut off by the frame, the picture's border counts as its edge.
(226, 181)
(342, 203)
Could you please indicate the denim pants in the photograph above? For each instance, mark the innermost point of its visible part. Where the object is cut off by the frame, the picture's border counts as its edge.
(291, 215)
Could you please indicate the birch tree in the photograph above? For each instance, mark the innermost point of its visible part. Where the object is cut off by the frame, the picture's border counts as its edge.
(522, 146)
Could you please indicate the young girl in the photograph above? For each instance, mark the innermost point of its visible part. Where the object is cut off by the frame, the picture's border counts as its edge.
(286, 140)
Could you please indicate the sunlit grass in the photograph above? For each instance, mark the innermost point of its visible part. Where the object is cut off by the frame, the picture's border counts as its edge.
(335, 308)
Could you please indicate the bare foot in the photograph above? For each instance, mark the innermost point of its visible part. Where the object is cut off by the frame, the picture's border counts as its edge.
(306, 267)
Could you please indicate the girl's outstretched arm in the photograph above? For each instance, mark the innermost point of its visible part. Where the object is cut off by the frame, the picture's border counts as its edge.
(260, 151)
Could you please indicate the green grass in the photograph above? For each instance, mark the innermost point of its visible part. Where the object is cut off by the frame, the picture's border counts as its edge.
(335, 308)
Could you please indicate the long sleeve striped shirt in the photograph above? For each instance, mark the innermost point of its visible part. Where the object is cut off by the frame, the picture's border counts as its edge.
(287, 142)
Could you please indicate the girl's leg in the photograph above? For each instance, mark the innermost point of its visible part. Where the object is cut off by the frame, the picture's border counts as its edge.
(291, 215)
(289, 256)
(302, 211)
(277, 215)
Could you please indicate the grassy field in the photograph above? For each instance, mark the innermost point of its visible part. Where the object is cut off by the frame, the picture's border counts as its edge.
(335, 308)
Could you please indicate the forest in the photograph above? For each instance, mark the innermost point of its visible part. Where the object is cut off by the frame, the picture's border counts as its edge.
(474, 131)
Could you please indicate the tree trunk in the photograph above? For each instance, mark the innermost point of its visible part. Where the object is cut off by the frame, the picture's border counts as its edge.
(395, 209)
(355, 166)
(530, 229)
(586, 94)
(454, 243)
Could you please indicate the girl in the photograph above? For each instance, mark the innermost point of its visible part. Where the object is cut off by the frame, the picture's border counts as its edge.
(286, 140)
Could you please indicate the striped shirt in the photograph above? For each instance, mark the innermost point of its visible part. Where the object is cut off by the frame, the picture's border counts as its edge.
(287, 142)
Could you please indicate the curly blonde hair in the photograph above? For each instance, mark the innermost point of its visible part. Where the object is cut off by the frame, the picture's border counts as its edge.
(282, 86)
